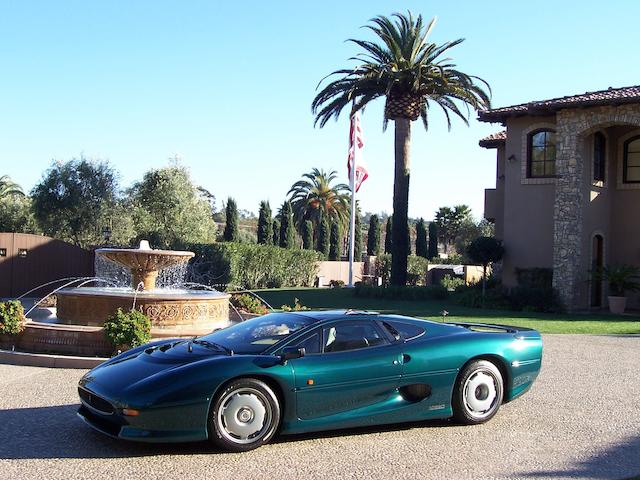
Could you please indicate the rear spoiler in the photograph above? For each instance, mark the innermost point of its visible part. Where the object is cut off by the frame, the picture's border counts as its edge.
(503, 328)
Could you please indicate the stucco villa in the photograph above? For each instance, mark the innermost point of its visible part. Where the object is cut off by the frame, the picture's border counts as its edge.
(567, 194)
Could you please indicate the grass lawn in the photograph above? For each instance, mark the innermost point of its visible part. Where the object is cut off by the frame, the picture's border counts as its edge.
(338, 298)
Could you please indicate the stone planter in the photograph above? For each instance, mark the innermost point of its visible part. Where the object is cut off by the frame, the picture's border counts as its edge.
(617, 304)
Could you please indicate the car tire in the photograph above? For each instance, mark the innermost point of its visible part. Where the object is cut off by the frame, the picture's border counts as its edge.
(478, 393)
(244, 415)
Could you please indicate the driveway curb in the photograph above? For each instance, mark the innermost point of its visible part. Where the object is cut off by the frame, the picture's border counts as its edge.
(51, 361)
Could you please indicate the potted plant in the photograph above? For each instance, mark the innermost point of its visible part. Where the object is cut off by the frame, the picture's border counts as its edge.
(621, 279)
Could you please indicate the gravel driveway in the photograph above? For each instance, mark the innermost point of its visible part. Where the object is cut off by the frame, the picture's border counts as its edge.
(580, 420)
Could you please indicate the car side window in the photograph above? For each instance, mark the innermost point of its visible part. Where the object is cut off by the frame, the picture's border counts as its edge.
(351, 336)
(406, 331)
(311, 343)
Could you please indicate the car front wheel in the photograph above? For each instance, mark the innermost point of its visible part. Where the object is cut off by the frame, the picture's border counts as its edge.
(244, 415)
(478, 393)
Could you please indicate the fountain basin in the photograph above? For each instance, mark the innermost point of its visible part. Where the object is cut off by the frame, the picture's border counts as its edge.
(176, 311)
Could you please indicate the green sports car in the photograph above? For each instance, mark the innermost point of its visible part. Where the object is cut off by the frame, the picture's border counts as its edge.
(308, 371)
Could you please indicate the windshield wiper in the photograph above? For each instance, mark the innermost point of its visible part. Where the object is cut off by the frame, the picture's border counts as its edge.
(217, 346)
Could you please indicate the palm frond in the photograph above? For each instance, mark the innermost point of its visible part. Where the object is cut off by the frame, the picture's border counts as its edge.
(401, 61)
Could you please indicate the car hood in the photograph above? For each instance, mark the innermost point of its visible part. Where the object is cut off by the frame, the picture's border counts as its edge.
(148, 368)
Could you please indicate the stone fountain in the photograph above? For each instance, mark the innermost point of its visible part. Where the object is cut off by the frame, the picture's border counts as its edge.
(173, 312)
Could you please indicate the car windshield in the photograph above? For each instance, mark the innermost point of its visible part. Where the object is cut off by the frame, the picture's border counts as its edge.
(256, 335)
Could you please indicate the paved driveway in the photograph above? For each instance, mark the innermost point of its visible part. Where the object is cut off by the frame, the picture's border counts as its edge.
(580, 420)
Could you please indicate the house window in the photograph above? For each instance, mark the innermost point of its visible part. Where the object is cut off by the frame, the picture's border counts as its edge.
(631, 168)
(542, 154)
(599, 148)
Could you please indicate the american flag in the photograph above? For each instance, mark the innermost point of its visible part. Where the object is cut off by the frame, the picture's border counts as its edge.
(355, 152)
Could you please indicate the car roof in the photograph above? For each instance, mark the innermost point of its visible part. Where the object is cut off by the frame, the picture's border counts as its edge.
(327, 315)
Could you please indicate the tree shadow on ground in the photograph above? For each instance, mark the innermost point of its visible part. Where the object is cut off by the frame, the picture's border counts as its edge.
(617, 461)
(57, 432)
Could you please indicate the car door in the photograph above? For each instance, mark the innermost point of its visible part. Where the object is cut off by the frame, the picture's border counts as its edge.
(428, 367)
(356, 366)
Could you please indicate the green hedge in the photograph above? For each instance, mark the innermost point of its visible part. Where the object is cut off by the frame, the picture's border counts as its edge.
(431, 292)
(250, 266)
(416, 269)
(527, 299)
(11, 317)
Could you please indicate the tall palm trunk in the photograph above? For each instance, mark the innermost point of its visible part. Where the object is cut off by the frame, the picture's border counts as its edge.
(400, 225)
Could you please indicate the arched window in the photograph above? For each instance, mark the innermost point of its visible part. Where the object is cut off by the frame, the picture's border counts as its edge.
(631, 168)
(599, 150)
(542, 154)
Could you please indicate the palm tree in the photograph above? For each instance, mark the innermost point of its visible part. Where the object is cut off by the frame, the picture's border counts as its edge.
(409, 71)
(315, 197)
(8, 187)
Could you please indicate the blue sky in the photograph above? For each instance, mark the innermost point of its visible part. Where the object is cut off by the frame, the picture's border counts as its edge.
(228, 86)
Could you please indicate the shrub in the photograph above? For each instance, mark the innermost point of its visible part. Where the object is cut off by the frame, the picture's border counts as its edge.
(519, 298)
(416, 269)
(431, 292)
(452, 259)
(127, 329)
(383, 267)
(534, 299)
(252, 266)
(534, 277)
(11, 317)
(451, 282)
(297, 306)
(336, 284)
(495, 298)
(248, 303)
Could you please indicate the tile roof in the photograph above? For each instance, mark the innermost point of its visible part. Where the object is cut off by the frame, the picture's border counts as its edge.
(610, 96)
(494, 140)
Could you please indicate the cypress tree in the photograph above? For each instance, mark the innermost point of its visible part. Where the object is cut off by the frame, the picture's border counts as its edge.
(421, 239)
(307, 235)
(231, 227)
(287, 232)
(357, 249)
(373, 239)
(265, 224)
(335, 242)
(323, 237)
(276, 232)
(433, 240)
(388, 237)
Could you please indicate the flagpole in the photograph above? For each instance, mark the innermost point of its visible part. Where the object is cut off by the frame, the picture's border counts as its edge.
(352, 226)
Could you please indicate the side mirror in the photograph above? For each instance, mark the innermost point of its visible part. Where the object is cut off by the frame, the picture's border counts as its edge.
(291, 353)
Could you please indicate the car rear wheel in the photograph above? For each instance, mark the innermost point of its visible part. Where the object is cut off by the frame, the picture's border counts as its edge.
(244, 415)
(478, 393)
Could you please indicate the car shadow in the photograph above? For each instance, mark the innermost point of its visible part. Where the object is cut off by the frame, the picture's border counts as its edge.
(355, 431)
(620, 460)
(57, 432)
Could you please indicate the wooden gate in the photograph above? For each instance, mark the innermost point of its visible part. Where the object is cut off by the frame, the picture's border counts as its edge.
(27, 261)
